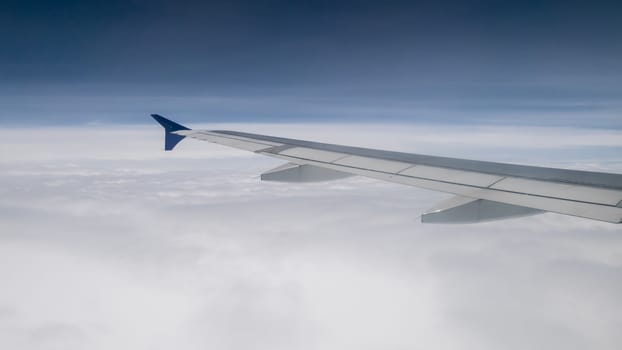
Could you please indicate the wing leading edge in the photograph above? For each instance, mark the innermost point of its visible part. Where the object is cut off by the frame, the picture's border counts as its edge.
(485, 190)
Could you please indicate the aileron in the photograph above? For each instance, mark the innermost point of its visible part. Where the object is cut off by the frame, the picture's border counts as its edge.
(560, 190)
(387, 166)
(450, 175)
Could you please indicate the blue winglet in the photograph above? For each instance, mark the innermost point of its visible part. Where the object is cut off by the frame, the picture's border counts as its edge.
(170, 139)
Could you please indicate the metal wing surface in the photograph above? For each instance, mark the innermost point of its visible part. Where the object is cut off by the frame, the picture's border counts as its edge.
(484, 190)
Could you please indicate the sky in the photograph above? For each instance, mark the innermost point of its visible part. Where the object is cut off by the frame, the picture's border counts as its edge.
(495, 62)
(108, 242)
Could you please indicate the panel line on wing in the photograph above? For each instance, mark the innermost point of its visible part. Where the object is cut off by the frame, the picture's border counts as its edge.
(311, 153)
(198, 134)
(277, 149)
(391, 174)
(401, 171)
(390, 166)
(338, 159)
(571, 191)
(496, 182)
(235, 142)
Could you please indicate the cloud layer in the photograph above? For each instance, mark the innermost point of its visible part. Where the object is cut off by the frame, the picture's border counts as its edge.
(107, 242)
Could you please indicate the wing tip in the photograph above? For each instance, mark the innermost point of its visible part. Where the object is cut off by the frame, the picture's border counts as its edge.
(170, 139)
(168, 124)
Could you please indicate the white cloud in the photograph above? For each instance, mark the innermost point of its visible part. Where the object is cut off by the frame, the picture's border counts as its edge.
(107, 242)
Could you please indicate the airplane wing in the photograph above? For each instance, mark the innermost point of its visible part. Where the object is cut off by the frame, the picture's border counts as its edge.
(483, 190)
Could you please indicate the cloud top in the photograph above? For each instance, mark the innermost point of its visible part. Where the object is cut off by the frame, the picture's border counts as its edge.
(151, 251)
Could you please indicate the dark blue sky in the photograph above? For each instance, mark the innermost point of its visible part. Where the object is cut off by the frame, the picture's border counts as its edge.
(509, 62)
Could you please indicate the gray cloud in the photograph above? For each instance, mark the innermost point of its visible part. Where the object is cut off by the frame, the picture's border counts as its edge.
(106, 243)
